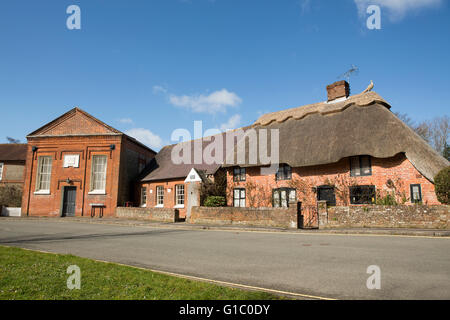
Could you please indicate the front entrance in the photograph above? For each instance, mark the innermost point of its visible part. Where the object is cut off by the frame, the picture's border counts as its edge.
(69, 200)
(307, 216)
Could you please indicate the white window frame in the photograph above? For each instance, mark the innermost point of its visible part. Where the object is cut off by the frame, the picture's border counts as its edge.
(40, 174)
(93, 181)
(240, 200)
(179, 196)
(158, 195)
(1, 170)
(143, 197)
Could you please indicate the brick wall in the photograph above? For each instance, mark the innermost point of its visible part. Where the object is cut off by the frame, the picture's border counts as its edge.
(151, 214)
(402, 216)
(398, 169)
(262, 217)
(169, 194)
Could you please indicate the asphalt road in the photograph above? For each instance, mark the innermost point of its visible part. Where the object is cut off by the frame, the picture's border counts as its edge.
(324, 265)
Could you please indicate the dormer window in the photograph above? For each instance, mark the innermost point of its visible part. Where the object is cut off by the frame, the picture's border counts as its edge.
(239, 174)
(360, 166)
(284, 172)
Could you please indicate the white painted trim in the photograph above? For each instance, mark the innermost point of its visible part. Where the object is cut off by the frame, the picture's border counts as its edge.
(42, 192)
(99, 192)
(159, 206)
(179, 206)
(194, 173)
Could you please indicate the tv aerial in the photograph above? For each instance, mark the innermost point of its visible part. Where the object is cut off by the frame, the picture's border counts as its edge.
(353, 71)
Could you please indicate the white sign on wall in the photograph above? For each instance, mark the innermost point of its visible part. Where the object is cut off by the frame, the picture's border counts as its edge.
(71, 160)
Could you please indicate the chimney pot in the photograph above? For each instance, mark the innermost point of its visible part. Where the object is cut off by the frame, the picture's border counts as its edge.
(339, 89)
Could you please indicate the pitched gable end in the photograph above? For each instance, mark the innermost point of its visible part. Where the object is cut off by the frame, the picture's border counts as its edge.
(76, 122)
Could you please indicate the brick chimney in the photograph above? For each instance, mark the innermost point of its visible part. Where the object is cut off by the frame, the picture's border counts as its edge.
(339, 89)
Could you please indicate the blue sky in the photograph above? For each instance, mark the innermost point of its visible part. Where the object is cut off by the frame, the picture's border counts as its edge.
(149, 67)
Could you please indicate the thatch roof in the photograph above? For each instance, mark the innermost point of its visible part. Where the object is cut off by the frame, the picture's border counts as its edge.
(13, 152)
(324, 133)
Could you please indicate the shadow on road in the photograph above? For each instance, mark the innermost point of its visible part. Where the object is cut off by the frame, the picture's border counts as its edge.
(64, 237)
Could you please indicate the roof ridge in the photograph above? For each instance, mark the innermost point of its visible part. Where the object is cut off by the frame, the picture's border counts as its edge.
(361, 99)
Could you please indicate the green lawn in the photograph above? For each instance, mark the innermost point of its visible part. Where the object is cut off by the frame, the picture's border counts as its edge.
(34, 275)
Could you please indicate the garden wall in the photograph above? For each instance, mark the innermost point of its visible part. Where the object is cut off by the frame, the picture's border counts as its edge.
(152, 214)
(261, 217)
(401, 216)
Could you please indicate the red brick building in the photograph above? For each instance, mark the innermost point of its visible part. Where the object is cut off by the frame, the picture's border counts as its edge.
(348, 150)
(77, 164)
(170, 185)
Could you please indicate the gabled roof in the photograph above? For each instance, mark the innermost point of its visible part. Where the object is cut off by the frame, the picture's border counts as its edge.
(13, 152)
(196, 175)
(77, 122)
(163, 168)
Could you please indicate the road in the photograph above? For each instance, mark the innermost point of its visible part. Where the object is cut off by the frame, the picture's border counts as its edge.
(323, 265)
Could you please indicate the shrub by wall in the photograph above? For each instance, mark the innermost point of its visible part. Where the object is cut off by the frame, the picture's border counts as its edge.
(442, 186)
(11, 196)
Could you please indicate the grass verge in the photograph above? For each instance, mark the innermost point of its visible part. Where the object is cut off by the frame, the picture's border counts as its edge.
(34, 275)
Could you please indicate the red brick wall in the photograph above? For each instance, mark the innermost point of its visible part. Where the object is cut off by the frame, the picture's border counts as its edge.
(398, 169)
(57, 147)
(169, 197)
(132, 155)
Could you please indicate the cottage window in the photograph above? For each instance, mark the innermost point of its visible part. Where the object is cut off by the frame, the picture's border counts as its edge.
(98, 173)
(239, 197)
(239, 174)
(360, 166)
(160, 195)
(284, 172)
(179, 194)
(326, 193)
(143, 196)
(283, 196)
(362, 195)
(44, 174)
(416, 193)
(1, 171)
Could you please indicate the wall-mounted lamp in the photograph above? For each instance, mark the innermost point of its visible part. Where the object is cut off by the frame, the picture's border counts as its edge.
(68, 181)
(112, 147)
(34, 148)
